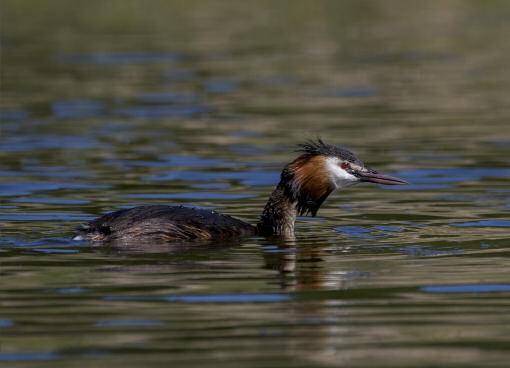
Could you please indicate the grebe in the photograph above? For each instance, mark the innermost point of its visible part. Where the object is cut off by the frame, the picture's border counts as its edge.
(304, 185)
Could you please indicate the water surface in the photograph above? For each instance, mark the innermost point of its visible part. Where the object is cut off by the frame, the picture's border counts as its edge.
(108, 105)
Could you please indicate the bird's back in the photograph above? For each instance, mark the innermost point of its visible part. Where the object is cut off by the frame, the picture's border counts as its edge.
(164, 223)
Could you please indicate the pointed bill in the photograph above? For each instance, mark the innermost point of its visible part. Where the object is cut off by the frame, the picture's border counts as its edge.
(375, 177)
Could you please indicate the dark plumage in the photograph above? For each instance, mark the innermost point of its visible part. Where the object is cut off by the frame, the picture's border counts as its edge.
(316, 148)
(164, 223)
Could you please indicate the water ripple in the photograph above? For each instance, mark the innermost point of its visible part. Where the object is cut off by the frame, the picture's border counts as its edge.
(119, 58)
(191, 196)
(484, 223)
(28, 356)
(215, 298)
(128, 323)
(467, 289)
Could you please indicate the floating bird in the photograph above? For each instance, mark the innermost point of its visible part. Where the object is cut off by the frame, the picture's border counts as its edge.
(304, 185)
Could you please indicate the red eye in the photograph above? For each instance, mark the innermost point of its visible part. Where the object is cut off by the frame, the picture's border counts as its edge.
(345, 166)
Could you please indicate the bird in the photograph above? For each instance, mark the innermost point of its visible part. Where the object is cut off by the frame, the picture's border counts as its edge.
(305, 183)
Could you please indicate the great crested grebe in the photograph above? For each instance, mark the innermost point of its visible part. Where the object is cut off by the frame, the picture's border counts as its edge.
(304, 185)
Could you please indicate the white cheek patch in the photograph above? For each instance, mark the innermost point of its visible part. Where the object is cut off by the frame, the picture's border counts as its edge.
(339, 176)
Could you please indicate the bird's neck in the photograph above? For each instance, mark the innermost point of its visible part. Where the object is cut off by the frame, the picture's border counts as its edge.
(279, 215)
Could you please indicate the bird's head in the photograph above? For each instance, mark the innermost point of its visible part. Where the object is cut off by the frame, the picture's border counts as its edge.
(321, 169)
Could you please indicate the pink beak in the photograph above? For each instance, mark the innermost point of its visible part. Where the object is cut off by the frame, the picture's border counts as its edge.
(375, 177)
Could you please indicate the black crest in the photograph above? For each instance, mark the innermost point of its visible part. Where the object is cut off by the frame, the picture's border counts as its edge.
(314, 148)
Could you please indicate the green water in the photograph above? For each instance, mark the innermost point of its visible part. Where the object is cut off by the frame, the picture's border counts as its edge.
(112, 104)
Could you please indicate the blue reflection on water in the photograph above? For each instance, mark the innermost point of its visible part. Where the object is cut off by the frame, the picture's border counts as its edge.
(4, 323)
(484, 223)
(28, 143)
(474, 288)
(373, 232)
(213, 298)
(28, 357)
(354, 231)
(166, 98)
(71, 290)
(13, 115)
(77, 109)
(45, 171)
(389, 228)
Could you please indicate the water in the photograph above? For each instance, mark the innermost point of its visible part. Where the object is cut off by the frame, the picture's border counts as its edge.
(107, 105)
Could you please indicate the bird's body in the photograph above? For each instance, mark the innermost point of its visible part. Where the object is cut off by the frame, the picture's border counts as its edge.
(304, 185)
(165, 223)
